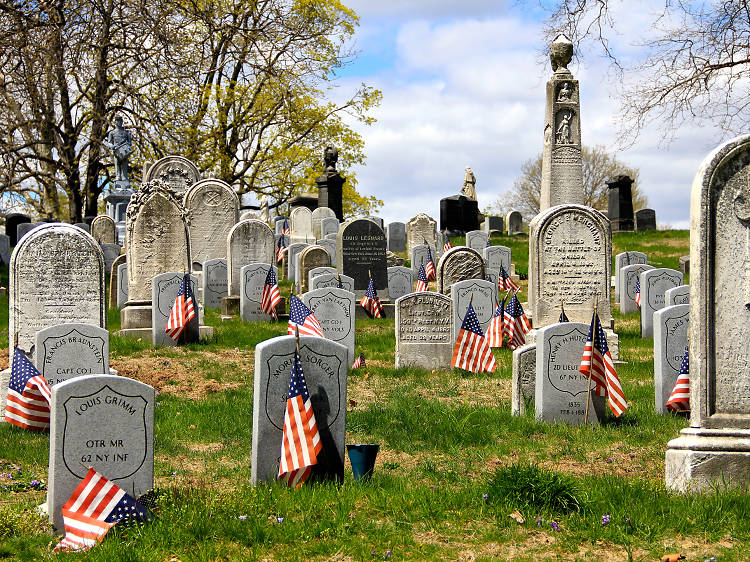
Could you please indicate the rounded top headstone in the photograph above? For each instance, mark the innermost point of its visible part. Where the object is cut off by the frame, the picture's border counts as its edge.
(177, 172)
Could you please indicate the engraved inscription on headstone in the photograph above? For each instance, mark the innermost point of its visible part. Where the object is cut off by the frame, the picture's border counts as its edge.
(654, 283)
(253, 278)
(215, 283)
(670, 338)
(334, 309)
(424, 331)
(360, 251)
(481, 294)
(400, 281)
(65, 351)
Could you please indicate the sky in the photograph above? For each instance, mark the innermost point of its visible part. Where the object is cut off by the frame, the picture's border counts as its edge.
(463, 84)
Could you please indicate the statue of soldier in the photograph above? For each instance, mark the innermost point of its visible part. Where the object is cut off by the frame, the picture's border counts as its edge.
(468, 188)
(120, 142)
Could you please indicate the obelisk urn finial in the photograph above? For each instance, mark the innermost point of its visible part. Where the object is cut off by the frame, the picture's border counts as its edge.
(561, 53)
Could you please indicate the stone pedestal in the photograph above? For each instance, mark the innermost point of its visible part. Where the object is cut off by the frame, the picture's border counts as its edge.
(458, 215)
(230, 306)
(330, 190)
(620, 209)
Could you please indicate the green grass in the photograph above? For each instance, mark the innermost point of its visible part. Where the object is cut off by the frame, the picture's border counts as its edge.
(447, 439)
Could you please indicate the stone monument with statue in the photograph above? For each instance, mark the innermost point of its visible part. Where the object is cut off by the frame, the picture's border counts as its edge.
(120, 142)
(331, 184)
(459, 214)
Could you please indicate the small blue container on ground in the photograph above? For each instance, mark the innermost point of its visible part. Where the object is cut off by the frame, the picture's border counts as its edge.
(362, 457)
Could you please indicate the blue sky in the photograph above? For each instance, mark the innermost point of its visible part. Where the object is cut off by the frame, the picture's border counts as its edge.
(463, 84)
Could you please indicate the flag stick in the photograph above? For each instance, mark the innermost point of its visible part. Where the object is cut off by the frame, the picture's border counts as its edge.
(15, 340)
(588, 391)
(296, 337)
(562, 306)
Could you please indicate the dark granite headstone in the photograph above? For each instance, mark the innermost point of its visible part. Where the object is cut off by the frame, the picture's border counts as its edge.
(621, 203)
(493, 223)
(458, 215)
(360, 251)
(11, 224)
(645, 219)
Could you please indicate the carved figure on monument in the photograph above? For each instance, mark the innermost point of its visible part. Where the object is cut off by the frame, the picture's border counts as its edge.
(563, 129)
(120, 142)
(331, 156)
(565, 92)
(469, 189)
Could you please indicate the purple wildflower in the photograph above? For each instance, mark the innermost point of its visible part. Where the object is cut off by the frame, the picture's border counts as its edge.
(605, 519)
(242, 517)
(555, 526)
(485, 496)
(387, 555)
(538, 521)
(34, 483)
(280, 519)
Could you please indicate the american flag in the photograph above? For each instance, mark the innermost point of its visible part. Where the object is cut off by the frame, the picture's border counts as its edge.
(637, 292)
(95, 506)
(679, 400)
(183, 310)
(300, 440)
(285, 227)
(280, 249)
(429, 267)
(29, 395)
(495, 331)
(359, 362)
(515, 324)
(371, 303)
(597, 364)
(447, 246)
(505, 282)
(472, 351)
(421, 280)
(303, 318)
(271, 296)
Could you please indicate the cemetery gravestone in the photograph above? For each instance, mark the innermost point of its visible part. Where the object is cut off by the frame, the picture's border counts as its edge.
(103, 229)
(122, 285)
(514, 220)
(645, 219)
(334, 308)
(424, 331)
(302, 229)
(249, 241)
(5, 249)
(114, 280)
(654, 283)
(325, 364)
(671, 325)
(620, 203)
(330, 247)
(477, 240)
(495, 256)
(309, 259)
(360, 251)
(331, 280)
(459, 214)
(290, 259)
(481, 294)
(329, 225)
(400, 282)
(25, 227)
(523, 385)
(102, 421)
(111, 252)
(253, 278)
(317, 220)
(623, 259)
(65, 351)
(215, 282)
(11, 226)
(628, 276)
(458, 264)
(677, 295)
(560, 390)
(493, 224)
(83, 226)
(319, 271)
(164, 288)
(176, 172)
(396, 233)
(420, 228)
(419, 256)
(213, 207)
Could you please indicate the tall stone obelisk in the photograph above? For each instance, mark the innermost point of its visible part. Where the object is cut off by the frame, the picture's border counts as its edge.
(562, 173)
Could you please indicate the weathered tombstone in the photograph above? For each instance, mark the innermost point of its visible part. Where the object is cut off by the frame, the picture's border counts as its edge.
(249, 241)
(56, 277)
(360, 251)
(623, 259)
(325, 364)
(628, 276)
(114, 277)
(420, 256)
(103, 229)
(213, 208)
(671, 325)
(64, 351)
(714, 451)
(290, 256)
(176, 172)
(331, 280)
(495, 256)
(334, 308)
(477, 240)
(278, 225)
(481, 294)
(493, 224)
(328, 225)
(249, 215)
(317, 220)
(330, 247)
(164, 288)
(514, 220)
(458, 264)
(396, 233)
(400, 282)
(570, 255)
(83, 226)
(420, 228)
(424, 331)
(560, 390)
(310, 258)
(654, 283)
(24, 228)
(253, 278)
(122, 284)
(5, 249)
(111, 252)
(677, 295)
(100, 421)
(302, 229)
(620, 203)
(523, 382)
(215, 282)
(645, 219)
(11, 225)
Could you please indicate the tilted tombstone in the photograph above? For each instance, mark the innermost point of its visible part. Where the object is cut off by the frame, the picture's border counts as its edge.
(65, 351)
(176, 172)
(5, 249)
(360, 252)
(330, 247)
(481, 294)
(645, 219)
(523, 381)
(325, 365)
(290, 261)
(111, 252)
(424, 331)
(105, 422)
(420, 228)
(514, 220)
(114, 280)
(396, 233)
(495, 256)
(671, 325)
(103, 229)
(164, 288)
(654, 283)
(122, 285)
(317, 220)
(677, 295)
(331, 280)
(560, 390)
(477, 240)
(213, 208)
(11, 226)
(624, 259)
(249, 241)
(628, 276)
(400, 281)
(328, 225)
(309, 259)
(215, 282)
(301, 223)
(458, 264)
(570, 254)
(253, 277)
(334, 308)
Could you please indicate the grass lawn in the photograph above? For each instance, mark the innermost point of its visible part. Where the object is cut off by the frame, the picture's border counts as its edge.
(454, 464)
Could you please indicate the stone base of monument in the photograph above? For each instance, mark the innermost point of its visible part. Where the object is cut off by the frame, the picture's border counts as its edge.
(230, 306)
(388, 307)
(613, 341)
(703, 459)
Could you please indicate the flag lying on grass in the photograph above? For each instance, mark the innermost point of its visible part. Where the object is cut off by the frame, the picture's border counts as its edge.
(94, 508)
(597, 365)
(270, 297)
(280, 249)
(421, 280)
(183, 310)
(371, 303)
(637, 292)
(515, 324)
(679, 399)
(504, 282)
(447, 246)
(495, 332)
(359, 362)
(302, 318)
(472, 351)
(29, 395)
(429, 268)
(300, 440)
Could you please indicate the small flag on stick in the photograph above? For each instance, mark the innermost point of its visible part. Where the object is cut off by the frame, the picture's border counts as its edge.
(359, 362)
(472, 351)
(429, 268)
(280, 249)
(302, 318)
(447, 246)
(515, 324)
(270, 297)
(637, 292)
(371, 303)
(183, 310)
(285, 227)
(505, 282)
(495, 332)
(29, 395)
(679, 399)
(421, 280)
